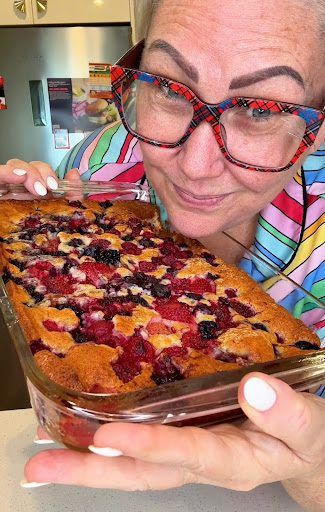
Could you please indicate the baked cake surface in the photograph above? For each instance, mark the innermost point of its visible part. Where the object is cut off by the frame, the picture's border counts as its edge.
(110, 302)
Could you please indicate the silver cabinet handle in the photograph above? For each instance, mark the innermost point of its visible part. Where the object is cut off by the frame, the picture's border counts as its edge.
(41, 6)
(20, 6)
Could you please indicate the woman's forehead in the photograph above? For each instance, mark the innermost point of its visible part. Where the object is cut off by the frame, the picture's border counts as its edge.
(212, 20)
(238, 37)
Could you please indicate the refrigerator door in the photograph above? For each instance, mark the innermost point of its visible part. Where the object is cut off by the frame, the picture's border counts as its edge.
(37, 53)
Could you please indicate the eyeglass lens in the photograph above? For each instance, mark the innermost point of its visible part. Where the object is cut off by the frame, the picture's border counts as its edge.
(257, 137)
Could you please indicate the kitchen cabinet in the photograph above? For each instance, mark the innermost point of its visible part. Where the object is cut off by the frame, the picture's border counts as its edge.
(16, 12)
(72, 12)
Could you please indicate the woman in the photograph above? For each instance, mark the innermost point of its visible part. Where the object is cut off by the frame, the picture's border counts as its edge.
(221, 176)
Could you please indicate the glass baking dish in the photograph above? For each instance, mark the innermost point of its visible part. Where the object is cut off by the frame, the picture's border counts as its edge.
(72, 417)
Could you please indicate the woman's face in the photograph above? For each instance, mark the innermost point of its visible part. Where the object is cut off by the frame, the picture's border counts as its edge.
(217, 49)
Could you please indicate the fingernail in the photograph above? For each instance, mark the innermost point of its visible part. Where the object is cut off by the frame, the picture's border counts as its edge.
(37, 440)
(52, 183)
(259, 395)
(32, 485)
(19, 172)
(40, 189)
(105, 452)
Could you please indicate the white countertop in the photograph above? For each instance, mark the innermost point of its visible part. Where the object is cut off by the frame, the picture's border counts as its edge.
(17, 430)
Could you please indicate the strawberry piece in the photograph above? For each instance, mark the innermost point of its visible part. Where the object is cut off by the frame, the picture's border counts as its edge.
(198, 285)
(61, 284)
(94, 271)
(175, 351)
(51, 247)
(174, 310)
(194, 340)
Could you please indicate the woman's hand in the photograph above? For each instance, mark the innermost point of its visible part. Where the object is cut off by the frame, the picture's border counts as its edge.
(37, 177)
(282, 439)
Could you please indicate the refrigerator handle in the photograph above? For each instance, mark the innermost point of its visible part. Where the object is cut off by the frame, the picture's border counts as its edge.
(37, 101)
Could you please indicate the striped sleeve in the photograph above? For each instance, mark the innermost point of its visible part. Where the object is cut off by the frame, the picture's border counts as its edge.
(109, 153)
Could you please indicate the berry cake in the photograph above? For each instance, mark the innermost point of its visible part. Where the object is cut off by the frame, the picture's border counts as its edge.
(110, 302)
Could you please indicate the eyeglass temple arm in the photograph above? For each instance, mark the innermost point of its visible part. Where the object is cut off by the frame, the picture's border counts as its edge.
(131, 59)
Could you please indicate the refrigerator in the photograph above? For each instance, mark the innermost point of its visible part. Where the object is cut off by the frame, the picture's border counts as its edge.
(31, 55)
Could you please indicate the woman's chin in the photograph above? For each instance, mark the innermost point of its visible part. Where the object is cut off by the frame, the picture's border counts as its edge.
(194, 227)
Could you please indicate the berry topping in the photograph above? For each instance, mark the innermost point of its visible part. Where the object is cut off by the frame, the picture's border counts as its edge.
(174, 310)
(62, 284)
(146, 266)
(260, 326)
(50, 325)
(208, 329)
(129, 248)
(165, 371)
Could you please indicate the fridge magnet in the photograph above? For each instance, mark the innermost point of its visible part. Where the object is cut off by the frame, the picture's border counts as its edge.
(3, 105)
(61, 138)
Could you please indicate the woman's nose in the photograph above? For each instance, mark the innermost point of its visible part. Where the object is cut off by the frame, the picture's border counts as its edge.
(200, 156)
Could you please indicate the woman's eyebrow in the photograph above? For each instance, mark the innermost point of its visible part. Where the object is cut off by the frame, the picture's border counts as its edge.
(236, 83)
(264, 74)
(189, 69)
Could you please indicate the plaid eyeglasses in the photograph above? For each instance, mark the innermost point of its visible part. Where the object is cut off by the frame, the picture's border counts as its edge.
(255, 134)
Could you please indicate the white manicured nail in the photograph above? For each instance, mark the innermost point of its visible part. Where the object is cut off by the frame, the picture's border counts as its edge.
(37, 440)
(105, 452)
(19, 172)
(259, 395)
(32, 485)
(52, 183)
(40, 189)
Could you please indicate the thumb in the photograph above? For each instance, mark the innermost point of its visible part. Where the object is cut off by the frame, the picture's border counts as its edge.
(297, 419)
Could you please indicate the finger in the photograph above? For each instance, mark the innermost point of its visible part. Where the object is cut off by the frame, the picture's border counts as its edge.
(85, 469)
(73, 175)
(38, 177)
(197, 450)
(42, 437)
(297, 419)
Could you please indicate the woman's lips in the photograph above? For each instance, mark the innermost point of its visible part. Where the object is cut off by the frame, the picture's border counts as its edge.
(199, 201)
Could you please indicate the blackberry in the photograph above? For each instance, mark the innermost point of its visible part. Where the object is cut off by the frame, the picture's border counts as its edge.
(160, 291)
(90, 251)
(108, 256)
(212, 276)
(194, 296)
(146, 242)
(66, 267)
(137, 299)
(127, 238)
(38, 297)
(306, 345)
(19, 264)
(165, 371)
(77, 204)
(75, 242)
(106, 204)
(208, 329)
(259, 326)
(79, 336)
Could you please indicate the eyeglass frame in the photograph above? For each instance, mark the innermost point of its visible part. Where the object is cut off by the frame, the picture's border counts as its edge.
(124, 69)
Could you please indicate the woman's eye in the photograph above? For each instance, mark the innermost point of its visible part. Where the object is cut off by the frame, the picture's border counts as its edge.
(167, 93)
(259, 114)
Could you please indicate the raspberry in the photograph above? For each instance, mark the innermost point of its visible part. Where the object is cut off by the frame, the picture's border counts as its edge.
(50, 325)
(231, 293)
(129, 248)
(147, 266)
(33, 221)
(175, 352)
(51, 247)
(194, 340)
(174, 310)
(242, 309)
(99, 332)
(62, 284)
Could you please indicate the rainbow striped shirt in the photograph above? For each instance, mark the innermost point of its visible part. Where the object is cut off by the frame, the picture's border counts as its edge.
(290, 233)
